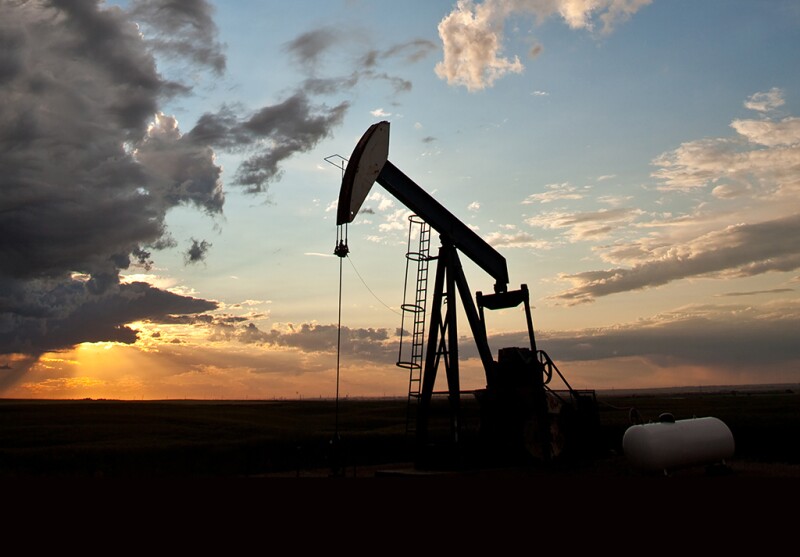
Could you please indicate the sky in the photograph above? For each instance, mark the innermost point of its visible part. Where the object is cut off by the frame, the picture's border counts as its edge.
(170, 173)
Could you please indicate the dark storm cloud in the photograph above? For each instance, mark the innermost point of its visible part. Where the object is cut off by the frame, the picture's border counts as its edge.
(179, 171)
(73, 121)
(183, 28)
(91, 165)
(271, 134)
(90, 168)
(197, 251)
(291, 126)
(54, 315)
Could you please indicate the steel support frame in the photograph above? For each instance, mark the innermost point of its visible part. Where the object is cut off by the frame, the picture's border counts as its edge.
(443, 340)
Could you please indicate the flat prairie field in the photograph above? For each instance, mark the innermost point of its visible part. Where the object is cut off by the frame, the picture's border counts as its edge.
(363, 437)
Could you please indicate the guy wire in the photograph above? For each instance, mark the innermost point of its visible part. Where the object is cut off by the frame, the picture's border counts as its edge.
(368, 288)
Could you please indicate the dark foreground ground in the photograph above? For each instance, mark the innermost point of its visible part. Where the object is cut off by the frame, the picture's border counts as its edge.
(290, 439)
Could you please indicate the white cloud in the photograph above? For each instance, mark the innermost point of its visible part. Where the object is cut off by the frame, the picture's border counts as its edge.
(730, 191)
(765, 101)
(769, 133)
(588, 225)
(472, 34)
(516, 240)
(384, 202)
(472, 46)
(765, 155)
(554, 192)
(396, 220)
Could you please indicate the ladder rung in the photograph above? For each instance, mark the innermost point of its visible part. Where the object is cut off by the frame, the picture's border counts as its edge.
(414, 364)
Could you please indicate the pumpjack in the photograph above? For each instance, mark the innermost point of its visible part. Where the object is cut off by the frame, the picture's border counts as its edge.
(521, 414)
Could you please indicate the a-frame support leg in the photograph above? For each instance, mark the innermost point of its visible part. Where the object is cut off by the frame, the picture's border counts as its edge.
(431, 357)
(442, 343)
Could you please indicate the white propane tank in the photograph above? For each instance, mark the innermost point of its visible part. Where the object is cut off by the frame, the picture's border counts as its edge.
(669, 444)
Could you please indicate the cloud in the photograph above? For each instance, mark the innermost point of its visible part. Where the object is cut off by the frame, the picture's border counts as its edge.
(758, 292)
(271, 135)
(766, 100)
(587, 225)
(54, 315)
(764, 155)
(472, 34)
(784, 132)
(197, 251)
(267, 136)
(515, 240)
(178, 170)
(722, 336)
(310, 49)
(759, 166)
(88, 175)
(736, 251)
(396, 220)
(181, 29)
(472, 46)
(555, 192)
(91, 165)
(741, 342)
(412, 51)
(330, 85)
(366, 344)
(691, 345)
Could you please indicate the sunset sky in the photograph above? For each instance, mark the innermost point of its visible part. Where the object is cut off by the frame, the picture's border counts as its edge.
(168, 215)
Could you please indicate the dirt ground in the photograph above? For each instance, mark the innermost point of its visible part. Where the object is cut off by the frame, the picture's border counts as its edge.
(293, 439)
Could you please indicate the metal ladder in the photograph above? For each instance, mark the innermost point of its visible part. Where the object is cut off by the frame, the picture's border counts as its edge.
(415, 311)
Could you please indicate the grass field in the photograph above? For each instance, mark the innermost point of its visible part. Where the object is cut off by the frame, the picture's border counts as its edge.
(146, 439)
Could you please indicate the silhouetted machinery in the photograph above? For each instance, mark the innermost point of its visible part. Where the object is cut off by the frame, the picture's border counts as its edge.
(521, 415)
